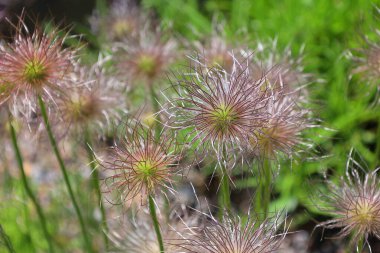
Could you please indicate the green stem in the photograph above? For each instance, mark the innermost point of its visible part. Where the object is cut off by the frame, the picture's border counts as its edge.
(264, 190)
(360, 245)
(27, 234)
(28, 189)
(101, 6)
(377, 152)
(225, 198)
(95, 182)
(156, 109)
(6, 241)
(65, 174)
(156, 225)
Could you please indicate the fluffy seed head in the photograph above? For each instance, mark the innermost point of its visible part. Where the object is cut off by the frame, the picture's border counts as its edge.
(282, 133)
(94, 100)
(216, 52)
(141, 165)
(231, 235)
(147, 58)
(137, 235)
(367, 61)
(219, 108)
(34, 64)
(354, 202)
(283, 70)
(123, 21)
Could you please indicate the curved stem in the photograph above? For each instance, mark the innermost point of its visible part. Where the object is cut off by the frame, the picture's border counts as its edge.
(65, 174)
(153, 214)
(95, 183)
(28, 189)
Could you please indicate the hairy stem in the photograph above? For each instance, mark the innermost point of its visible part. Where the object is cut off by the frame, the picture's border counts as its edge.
(153, 214)
(62, 166)
(28, 189)
(95, 183)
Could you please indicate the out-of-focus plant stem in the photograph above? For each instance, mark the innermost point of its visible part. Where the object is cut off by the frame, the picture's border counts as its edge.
(95, 182)
(153, 214)
(377, 152)
(62, 166)
(6, 241)
(28, 189)
(101, 7)
(156, 109)
(360, 246)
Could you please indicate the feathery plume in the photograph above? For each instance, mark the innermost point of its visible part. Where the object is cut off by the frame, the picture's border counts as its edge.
(232, 235)
(94, 99)
(220, 109)
(354, 202)
(141, 165)
(33, 64)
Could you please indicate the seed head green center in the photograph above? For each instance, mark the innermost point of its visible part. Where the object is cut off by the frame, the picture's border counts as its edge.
(121, 28)
(34, 71)
(223, 116)
(364, 214)
(146, 168)
(83, 108)
(146, 64)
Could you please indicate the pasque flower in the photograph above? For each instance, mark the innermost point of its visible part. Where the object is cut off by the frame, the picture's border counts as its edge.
(218, 107)
(146, 58)
(141, 165)
(232, 235)
(367, 61)
(94, 98)
(354, 202)
(283, 132)
(33, 64)
(283, 70)
(136, 234)
(123, 22)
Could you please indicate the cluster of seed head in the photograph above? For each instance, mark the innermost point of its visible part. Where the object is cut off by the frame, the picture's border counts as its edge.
(38, 65)
(237, 109)
(224, 104)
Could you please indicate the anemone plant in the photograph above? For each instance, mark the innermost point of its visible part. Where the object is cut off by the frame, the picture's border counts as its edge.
(231, 235)
(142, 166)
(34, 68)
(219, 110)
(354, 204)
